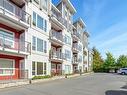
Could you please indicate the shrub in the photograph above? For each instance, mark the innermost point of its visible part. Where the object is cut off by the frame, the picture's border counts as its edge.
(41, 77)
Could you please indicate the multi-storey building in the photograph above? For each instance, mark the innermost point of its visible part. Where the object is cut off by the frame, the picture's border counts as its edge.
(85, 51)
(77, 48)
(39, 38)
(14, 48)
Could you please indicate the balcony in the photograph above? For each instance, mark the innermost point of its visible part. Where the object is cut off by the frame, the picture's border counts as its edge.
(56, 17)
(75, 60)
(13, 15)
(75, 36)
(56, 56)
(56, 38)
(70, 27)
(75, 48)
(13, 45)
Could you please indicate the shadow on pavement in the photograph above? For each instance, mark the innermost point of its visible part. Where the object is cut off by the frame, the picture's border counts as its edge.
(124, 87)
(116, 92)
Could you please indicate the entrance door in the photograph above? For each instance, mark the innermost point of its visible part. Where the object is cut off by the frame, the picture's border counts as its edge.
(59, 69)
(75, 69)
(22, 69)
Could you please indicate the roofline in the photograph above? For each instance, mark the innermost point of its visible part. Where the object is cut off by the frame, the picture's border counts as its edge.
(68, 1)
(86, 33)
(80, 21)
(52, 5)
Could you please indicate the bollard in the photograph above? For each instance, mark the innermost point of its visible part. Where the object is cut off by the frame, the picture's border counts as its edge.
(30, 81)
(65, 75)
(80, 72)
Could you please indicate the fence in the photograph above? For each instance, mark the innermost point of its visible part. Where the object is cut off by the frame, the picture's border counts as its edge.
(10, 42)
(9, 74)
(7, 7)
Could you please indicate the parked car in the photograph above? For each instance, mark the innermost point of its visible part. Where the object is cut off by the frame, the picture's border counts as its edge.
(122, 71)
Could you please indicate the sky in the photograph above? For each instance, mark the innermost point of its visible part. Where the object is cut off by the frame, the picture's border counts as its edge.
(106, 22)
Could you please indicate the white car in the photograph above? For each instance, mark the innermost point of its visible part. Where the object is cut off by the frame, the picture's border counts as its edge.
(122, 71)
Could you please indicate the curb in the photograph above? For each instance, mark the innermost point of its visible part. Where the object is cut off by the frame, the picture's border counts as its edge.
(20, 83)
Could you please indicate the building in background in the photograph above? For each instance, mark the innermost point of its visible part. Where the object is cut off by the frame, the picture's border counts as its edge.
(38, 38)
(77, 47)
(87, 53)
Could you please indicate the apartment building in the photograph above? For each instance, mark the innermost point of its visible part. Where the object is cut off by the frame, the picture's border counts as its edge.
(62, 13)
(14, 49)
(77, 48)
(38, 38)
(85, 51)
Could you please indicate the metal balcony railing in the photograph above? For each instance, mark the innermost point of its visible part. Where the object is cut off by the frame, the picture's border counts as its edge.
(13, 10)
(11, 72)
(75, 60)
(75, 33)
(56, 35)
(59, 17)
(56, 55)
(57, 72)
(75, 46)
(14, 44)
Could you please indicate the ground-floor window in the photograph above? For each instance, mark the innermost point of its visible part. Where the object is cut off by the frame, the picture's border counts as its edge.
(7, 67)
(39, 68)
(33, 68)
(67, 69)
(45, 68)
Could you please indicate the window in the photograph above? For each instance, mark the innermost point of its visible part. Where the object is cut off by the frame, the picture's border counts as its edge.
(45, 4)
(67, 69)
(6, 67)
(9, 7)
(34, 43)
(45, 68)
(40, 22)
(45, 26)
(45, 47)
(65, 13)
(67, 40)
(34, 18)
(39, 68)
(7, 39)
(33, 68)
(80, 48)
(67, 55)
(39, 45)
(80, 58)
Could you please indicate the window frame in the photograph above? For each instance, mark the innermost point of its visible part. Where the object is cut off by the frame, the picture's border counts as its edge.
(4, 37)
(13, 69)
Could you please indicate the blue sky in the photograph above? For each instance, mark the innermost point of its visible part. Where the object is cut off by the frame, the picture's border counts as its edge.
(106, 22)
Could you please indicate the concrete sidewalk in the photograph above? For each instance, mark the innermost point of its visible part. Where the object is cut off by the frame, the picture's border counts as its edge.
(13, 83)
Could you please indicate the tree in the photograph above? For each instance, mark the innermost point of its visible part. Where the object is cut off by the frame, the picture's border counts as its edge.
(122, 61)
(109, 62)
(97, 60)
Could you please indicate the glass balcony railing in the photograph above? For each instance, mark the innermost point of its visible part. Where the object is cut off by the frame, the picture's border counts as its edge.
(6, 7)
(57, 55)
(56, 35)
(75, 60)
(7, 42)
(75, 46)
(59, 17)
